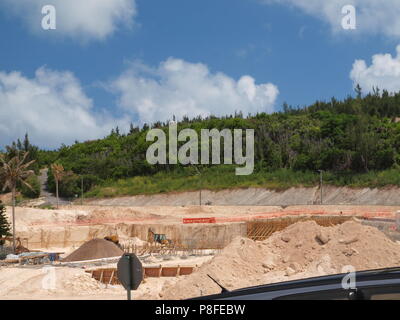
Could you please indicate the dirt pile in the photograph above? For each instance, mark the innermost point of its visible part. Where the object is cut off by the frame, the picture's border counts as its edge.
(137, 242)
(52, 283)
(64, 283)
(95, 249)
(302, 250)
(81, 284)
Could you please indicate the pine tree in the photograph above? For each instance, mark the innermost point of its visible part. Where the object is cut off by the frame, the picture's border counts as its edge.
(358, 90)
(27, 144)
(4, 224)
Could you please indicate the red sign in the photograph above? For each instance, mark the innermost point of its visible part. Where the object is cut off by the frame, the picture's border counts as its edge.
(199, 220)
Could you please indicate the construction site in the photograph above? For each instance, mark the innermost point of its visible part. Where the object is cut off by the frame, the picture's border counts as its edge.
(72, 252)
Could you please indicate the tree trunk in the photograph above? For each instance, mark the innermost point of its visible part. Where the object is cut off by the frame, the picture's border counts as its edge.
(13, 218)
(57, 192)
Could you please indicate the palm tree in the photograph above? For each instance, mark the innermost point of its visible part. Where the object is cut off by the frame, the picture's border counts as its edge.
(14, 171)
(58, 173)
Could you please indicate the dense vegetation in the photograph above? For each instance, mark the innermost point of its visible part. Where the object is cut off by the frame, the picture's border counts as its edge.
(355, 141)
(4, 224)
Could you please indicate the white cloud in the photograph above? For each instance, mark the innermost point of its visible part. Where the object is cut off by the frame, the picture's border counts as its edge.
(54, 109)
(384, 73)
(51, 107)
(181, 88)
(373, 16)
(81, 19)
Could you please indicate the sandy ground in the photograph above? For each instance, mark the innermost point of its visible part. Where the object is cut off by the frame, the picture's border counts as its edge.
(83, 222)
(71, 226)
(300, 251)
(91, 214)
(67, 283)
(331, 195)
(63, 283)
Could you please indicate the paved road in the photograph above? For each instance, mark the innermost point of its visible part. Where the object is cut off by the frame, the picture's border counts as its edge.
(47, 196)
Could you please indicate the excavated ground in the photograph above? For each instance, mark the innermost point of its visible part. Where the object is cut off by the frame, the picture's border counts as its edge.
(331, 195)
(69, 227)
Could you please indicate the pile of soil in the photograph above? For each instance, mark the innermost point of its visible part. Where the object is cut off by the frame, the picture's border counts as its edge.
(137, 242)
(95, 249)
(302, 250)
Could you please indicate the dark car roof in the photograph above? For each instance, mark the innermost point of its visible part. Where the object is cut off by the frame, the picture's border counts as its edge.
(367, 275)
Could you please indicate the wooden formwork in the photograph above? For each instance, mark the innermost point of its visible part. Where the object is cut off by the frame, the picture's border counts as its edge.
(106, 276)
(149, 248)
(262, 229)
(110, 276)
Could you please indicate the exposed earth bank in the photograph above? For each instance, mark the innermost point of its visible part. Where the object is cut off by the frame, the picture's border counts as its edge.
(262, 196)
(71, 226)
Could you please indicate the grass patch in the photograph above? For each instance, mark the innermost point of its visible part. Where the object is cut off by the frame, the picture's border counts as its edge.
(223, 177)
(47, 206)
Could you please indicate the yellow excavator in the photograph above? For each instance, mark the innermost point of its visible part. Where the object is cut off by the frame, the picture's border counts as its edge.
(158, 238)
(114, 239)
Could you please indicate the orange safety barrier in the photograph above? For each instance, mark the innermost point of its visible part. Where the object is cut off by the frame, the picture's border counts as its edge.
(199, 220)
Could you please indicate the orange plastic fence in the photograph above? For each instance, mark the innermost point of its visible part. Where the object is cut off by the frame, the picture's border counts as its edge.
(199, 220)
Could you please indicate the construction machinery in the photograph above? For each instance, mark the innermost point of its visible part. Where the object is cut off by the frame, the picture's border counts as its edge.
(19, 248)
(114, 239)
(158, 238)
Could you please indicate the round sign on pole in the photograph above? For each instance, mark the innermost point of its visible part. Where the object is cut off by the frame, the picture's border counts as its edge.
(130, 271)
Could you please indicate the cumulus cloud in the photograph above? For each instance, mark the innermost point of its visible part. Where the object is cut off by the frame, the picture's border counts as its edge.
(384, 72)
(180, 88)
(373, 16)
(51, 107)
(87, 19)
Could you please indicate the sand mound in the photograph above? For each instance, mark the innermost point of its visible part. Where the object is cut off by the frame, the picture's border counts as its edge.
(64, 283)
(95, 249)
(137, 242)
(50, 281)
(302, 250)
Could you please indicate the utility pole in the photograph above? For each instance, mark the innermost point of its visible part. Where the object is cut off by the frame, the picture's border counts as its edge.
(320, 182)
(13, 219)
(199, 173)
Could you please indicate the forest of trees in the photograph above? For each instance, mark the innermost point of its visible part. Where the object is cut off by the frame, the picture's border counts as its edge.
(352, 136)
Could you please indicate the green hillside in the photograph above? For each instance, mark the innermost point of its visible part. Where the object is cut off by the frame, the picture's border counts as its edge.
(356, 142)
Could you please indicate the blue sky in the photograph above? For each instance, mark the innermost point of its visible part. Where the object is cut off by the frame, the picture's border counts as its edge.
(298, 52)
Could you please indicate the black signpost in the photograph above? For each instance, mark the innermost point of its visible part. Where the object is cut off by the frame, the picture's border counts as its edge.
(130, 272)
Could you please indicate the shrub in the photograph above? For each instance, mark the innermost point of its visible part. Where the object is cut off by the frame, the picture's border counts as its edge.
(69, 185)
(33, 181)
(4, 224)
